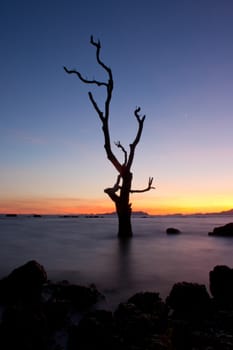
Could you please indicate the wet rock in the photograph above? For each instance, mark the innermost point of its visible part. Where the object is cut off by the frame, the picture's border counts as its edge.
(224, 231)
(23, 328)
(133, 325)
(95, 331)
(24, 283)
(151, 303)
(221, 285)
(181, 335)
(147, 301)
(189, 300)
(57, 314)
(172, 231)
(80, 297)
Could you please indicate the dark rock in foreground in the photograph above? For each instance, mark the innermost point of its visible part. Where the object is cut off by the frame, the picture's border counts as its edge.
(24, 283)
(96, 330)
(80, 297)
(172, 231)
(35, 311)
(189, 300)
(221, 285)
(224, 231)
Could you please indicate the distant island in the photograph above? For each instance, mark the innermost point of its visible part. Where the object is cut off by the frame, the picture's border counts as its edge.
(141, 214)
(226, 212)
(136, 213)
(145, 214)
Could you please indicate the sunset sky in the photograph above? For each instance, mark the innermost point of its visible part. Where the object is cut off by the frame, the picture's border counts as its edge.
(174, 58)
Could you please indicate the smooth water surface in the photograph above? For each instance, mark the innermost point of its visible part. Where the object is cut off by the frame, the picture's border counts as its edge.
(87, 250)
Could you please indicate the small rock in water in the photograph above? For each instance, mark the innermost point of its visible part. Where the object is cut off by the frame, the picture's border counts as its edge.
(172, 230)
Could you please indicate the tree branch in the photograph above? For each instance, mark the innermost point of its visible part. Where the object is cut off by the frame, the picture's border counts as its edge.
(103, 115)
(119, 145)
(84, 80)
(96, 107)
(101, 63)
(133, 145)
(148, 188)
(111, 191)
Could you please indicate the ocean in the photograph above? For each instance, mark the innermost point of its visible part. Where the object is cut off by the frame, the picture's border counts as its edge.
(86, 250)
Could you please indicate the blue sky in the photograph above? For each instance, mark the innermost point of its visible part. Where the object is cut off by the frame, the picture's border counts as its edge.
(172, 58)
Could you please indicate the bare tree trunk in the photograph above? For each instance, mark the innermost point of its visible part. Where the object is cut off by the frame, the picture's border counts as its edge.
(124, 223)
(123, 207)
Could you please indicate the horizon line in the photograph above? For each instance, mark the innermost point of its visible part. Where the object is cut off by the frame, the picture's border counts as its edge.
(137, 212)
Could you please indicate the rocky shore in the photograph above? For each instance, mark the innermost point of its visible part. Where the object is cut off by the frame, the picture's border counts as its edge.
(37, 314)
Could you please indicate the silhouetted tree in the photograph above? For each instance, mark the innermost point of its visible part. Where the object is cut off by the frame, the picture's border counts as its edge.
(120, 192)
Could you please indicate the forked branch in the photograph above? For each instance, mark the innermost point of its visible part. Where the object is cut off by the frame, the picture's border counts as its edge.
(119, 145)
(103, 115)
(133, 145)
(148, 188)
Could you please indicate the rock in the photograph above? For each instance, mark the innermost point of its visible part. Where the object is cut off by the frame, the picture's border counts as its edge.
(57, 314)
(151, 303)
(132, 324)
(24, 283)
(221, 285)
(95, 331)
(80, 297)
(224, 231)
(189, 300)
(24, 328)
(172, 231)
(148, 302)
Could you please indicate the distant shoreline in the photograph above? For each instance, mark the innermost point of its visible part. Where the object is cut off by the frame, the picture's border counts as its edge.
(139, 214)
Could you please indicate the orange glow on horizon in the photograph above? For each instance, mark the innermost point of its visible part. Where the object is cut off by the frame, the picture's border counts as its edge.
(99, 206)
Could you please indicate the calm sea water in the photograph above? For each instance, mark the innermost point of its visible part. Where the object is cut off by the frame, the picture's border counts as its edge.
(87, 250)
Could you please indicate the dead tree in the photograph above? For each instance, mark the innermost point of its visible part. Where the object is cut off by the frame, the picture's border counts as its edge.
(120, 192)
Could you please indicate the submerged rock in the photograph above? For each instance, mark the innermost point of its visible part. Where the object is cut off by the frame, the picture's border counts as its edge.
(224, 231)
(172, 231)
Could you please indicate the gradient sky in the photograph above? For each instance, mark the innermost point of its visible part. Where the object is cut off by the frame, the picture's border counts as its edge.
(174, 58)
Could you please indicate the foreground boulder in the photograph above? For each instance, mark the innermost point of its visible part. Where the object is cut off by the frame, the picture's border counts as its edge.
(224, 231)
(80, 297)
(188, 320)
(24, 283)
(95, 331)
(189, 300)
(33, 310)
(149, 302)
(24, 328)
(221, 285)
